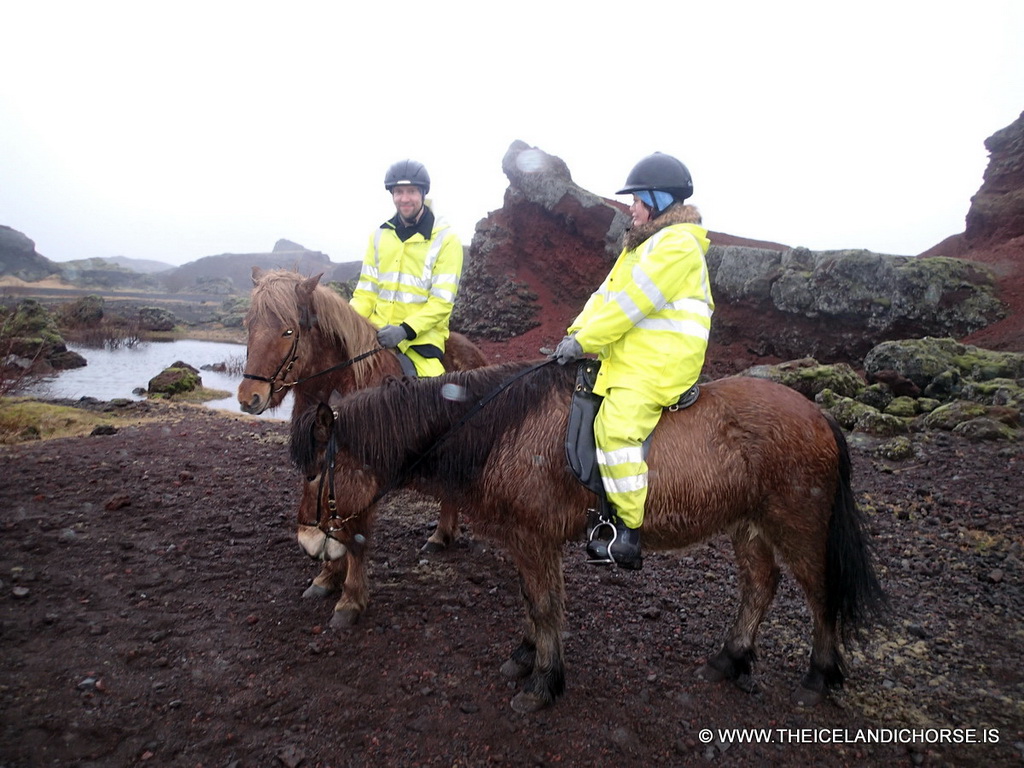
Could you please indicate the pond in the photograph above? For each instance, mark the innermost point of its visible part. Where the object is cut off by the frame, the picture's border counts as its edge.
(114, 373)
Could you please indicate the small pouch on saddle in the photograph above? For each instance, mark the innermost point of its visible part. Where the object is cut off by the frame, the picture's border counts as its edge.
(580, 446)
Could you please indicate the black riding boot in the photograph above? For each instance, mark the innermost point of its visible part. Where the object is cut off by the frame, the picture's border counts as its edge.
(612, 542)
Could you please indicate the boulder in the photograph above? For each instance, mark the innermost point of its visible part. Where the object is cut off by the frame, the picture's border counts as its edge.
(940, 363)
(838, 304)
(176, 378)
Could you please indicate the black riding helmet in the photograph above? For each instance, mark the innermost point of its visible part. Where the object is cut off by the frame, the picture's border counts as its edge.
(659, 172)
(407, 172)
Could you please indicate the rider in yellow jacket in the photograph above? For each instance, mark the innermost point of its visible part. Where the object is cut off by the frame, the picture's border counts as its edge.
(648, 323)
(410, 274)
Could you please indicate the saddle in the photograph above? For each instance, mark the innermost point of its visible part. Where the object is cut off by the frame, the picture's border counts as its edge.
(580, 446)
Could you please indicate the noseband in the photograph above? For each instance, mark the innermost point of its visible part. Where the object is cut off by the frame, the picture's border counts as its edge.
(282, 370)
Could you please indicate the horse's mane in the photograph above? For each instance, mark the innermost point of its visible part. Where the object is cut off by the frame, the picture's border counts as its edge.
(395, 428)
(274, 298)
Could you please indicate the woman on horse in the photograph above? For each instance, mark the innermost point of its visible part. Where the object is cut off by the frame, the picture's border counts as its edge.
(410, 274)
(649, 323)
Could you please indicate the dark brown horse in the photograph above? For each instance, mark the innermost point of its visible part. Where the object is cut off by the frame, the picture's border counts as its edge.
(303, 337)
(751, 458)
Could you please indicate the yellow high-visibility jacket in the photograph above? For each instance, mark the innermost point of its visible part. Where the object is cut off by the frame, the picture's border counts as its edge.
(412, 282)
(650, 319)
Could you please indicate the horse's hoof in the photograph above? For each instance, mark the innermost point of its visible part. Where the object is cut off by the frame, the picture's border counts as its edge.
(747, 684)
(709, 674)
(432, 548)
(344, 619)
(315, 590)
(515, 669)
(526, 702)
(805, 697)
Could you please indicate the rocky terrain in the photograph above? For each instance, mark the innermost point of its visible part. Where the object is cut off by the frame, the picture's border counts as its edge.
(150, 582)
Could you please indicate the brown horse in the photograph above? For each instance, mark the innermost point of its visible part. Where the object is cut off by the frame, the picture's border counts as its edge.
(303, 337)
(751, 458)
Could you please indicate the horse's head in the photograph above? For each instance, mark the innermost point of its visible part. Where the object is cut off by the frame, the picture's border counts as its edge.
(280, 314)
(336, 501)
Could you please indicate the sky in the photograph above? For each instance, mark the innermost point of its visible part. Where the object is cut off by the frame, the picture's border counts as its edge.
(174, 131)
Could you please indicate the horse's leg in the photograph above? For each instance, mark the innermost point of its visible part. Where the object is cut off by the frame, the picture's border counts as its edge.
(544, 592)
(759, 578)
(521, 662)
(329, 580)
(355, 595)
(826, 668)
(446, 530)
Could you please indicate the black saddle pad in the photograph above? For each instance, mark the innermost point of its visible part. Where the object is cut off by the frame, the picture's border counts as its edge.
(580, 446)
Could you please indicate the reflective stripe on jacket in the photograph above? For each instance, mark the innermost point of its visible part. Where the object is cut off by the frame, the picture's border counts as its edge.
(414, 282)
(650, 319)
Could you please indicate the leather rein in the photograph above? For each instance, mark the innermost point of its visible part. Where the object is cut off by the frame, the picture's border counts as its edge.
(289, 361)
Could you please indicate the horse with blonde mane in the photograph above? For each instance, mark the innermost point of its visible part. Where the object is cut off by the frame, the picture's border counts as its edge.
(305, 338)
(750, 458)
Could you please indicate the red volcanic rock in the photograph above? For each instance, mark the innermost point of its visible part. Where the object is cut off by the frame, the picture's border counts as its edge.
(997, 211)
(994, 235)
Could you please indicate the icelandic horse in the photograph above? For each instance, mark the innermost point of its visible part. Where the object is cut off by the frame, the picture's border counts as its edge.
(305, 337)
(751, 458)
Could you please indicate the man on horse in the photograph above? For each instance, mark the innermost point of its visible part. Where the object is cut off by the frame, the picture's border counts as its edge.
(410, 274)
(649, 323)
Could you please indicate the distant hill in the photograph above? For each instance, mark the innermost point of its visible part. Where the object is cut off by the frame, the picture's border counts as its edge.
(224, 275)
(19, 259)
(232, 272)
(143, 266)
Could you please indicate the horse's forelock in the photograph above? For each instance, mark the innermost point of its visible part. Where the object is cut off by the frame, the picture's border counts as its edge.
(273, 297)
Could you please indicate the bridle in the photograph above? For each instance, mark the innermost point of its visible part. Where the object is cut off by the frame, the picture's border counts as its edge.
(335, 522)
(292, 357)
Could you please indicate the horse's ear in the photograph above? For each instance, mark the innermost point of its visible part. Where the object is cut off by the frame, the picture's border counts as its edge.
(304, 293)
(306, 287)
(334, 400)
(257, 275)
(324, 424)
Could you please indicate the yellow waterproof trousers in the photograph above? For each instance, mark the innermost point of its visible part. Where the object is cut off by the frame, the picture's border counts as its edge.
(624, 421)
(426, 367)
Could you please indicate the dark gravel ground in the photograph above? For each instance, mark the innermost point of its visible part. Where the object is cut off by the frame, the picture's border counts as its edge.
(150, 615)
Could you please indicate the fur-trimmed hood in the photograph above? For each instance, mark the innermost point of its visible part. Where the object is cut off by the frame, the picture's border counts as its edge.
(677, 213)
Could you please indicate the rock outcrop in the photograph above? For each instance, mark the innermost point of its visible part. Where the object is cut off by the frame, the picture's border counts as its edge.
(997, 210)
(18, 257)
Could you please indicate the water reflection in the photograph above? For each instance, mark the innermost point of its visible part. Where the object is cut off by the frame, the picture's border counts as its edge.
(114, 373)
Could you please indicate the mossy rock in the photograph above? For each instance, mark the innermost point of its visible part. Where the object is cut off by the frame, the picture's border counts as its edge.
(898, 449)
(904, 407)
(922, 360)
(996, 391)
(948, 416)
(809, 377)
(881, 424)
(177, 378)
(876, 395)
(847, 411)
(985, 429)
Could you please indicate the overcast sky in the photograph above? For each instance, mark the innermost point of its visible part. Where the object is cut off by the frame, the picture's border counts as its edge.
(173, 131)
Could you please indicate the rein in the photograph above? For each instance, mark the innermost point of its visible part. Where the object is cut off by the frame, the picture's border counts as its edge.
(292, 357)
(332, 450)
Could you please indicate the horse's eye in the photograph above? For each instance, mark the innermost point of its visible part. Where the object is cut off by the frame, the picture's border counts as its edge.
(288, 333)
(311, 478)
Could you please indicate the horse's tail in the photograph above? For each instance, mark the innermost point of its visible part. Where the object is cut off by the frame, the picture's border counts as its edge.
(853, 593)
